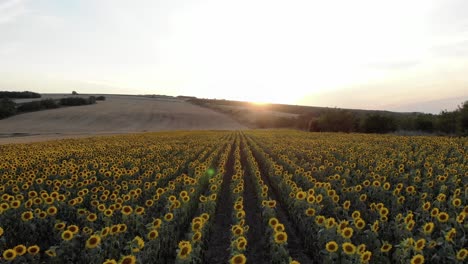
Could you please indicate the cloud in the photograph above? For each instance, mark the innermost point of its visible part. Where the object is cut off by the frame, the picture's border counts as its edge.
(394, 65)
(10, 10)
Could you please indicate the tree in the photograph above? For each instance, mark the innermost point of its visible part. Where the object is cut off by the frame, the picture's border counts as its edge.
(447, 122)
(336, 121)
(424, 122)
(376, 123)
(74, 93)
(462, 119)
(7, 108)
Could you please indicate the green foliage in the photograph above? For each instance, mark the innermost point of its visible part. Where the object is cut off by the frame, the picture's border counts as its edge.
(425, 122)
(376, 123)
(462, 119)
(74, 101)
(19, 95)
(337, 121)
(447, 122)
(7, 108)
(37, 105)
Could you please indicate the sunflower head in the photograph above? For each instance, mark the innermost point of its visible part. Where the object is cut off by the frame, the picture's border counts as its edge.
(238, 259)
(331, 246)
(349, 248)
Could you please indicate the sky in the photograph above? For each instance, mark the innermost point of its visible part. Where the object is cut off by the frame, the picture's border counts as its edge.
(394, 55)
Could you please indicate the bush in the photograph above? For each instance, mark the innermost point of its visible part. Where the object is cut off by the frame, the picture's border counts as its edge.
(37, 105)
(72, 101)
(7, 108)
(91, 100)
(19, 95)
(50, 104)
(462, 119)
(100, 98)
(30, 106)
(379, 124)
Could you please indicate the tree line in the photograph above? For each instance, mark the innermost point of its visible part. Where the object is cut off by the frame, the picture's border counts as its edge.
(338, 120)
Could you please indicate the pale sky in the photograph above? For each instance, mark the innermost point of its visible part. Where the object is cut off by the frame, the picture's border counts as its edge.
(402, 55)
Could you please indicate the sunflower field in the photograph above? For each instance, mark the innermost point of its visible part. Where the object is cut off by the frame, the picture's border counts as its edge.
(254, 196)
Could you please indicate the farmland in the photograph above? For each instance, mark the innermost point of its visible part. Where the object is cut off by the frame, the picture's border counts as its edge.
(266, 196)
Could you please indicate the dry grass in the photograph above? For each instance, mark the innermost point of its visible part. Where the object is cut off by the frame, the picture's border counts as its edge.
(117, 115)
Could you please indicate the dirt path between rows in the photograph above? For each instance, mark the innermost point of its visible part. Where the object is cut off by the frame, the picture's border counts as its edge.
(256, 235)
(295, 244)
(220, 236)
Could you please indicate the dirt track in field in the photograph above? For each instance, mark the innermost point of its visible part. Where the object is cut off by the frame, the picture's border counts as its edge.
(117, 115)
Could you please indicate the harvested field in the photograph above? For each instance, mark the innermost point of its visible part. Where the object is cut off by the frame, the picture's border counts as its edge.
(116, 115)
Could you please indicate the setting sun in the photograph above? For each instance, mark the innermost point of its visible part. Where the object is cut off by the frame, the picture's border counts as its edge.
(368, 54)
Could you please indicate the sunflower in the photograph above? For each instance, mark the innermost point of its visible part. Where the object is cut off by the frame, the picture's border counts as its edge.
(356, 215)
(20, 250)
(428, 228)
(93, 241)
(9, 254)
(280, 237)
(27, 216)
(238, 259)
(320, 219)
(74, 229)
(127, 210)
(347, 232)
(91, 217)
(205, 216)
(346, 205)
(310, 211)
(237, 230)
(241, 243)
(426, 206)
(279, 228)
(105, 231)
(108, 212)
(67, 235)
(331, 246)
(60, 226)
(361, 248)
(140, 210)
(272, 222)
(52, 210)
(168, 217)
(359, 223)
(33, 250)
(417, 259)
(271, 203)
(311, 199)
(129, 259)
(110, 261)
(420, 244)
(461, 254)
(153, 234)
(197, 236)
(366, 256)
(185, 248)
(461, 218)
(386, 247)
(443, 217)
(450, 235)
(435, 212)
(140, 243)
(349, 248)
(301, 195)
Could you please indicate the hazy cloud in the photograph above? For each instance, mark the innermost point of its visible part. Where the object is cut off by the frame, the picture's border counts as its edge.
(11, 10)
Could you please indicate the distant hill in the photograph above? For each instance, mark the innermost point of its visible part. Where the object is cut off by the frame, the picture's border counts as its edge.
(117, 114)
